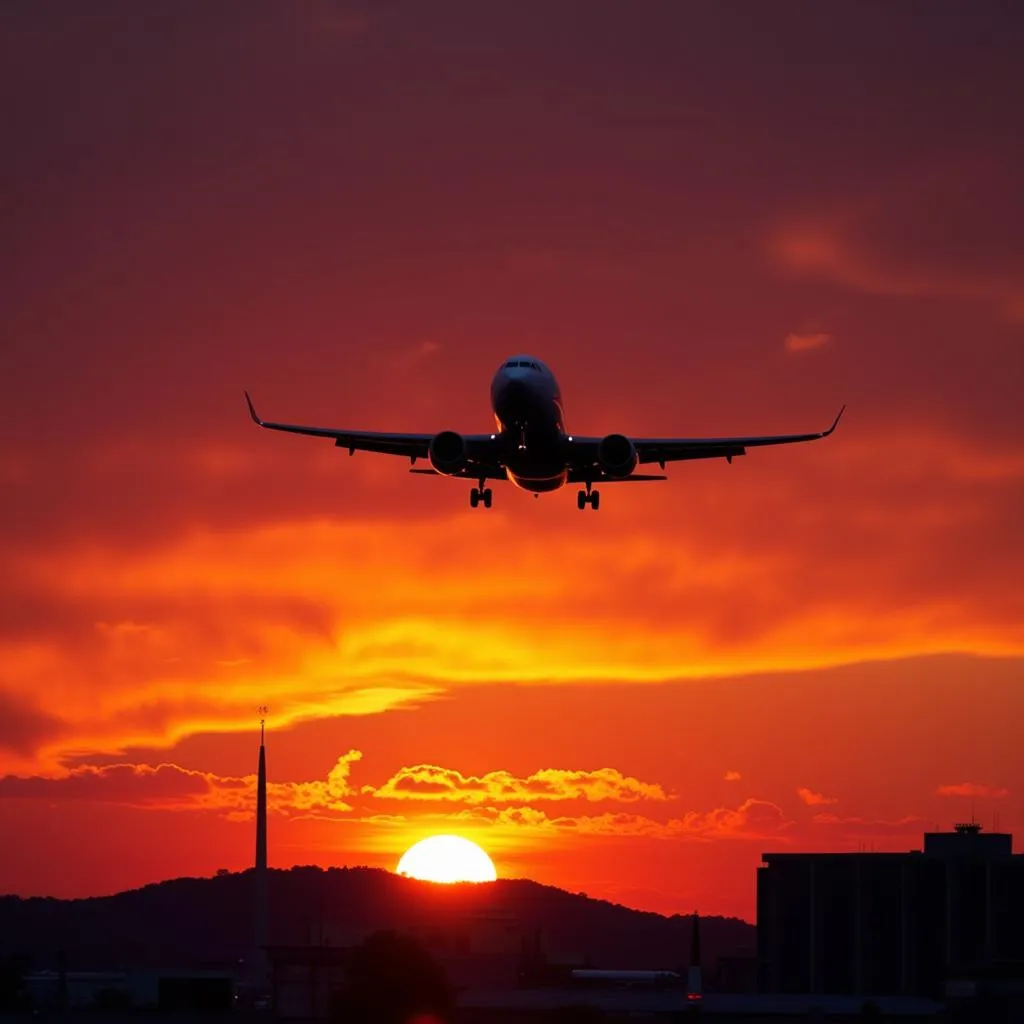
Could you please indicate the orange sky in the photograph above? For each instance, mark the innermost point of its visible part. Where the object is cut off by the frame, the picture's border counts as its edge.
(707, 221)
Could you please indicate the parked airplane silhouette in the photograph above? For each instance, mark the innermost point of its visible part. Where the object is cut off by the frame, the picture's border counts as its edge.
(531, 447)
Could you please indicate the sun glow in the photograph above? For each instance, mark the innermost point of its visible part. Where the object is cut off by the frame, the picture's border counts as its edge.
(447, 859)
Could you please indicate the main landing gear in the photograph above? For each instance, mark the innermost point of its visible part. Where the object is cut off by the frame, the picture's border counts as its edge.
(480, 494)
(588, 497)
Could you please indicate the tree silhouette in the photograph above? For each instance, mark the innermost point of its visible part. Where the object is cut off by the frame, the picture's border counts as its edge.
(12, 975)
(579, 1014)
(392, 979)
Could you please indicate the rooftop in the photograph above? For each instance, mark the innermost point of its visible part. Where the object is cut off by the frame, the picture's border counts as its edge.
(650, 1001)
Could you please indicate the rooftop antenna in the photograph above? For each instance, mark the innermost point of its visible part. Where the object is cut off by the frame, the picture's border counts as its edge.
(262, 712)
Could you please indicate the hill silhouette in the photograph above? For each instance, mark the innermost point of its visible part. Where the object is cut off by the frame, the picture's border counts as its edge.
(190, 922)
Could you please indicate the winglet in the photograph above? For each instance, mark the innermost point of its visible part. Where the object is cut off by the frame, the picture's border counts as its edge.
(252, 411)
(835, 422)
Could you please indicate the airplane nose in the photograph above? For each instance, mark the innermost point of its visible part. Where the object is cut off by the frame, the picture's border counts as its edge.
(510, 400)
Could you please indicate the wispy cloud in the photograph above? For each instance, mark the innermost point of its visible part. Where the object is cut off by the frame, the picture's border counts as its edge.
(430, 782)
(813, 799)
(169, 787)
(806, 342)
(24, 726)
(752, 820)
(221, 620)
(900, 832)
(975, 789)
(883, 243)
(485, 799)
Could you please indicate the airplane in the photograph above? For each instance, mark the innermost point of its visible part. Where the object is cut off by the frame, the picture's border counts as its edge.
(531, 447)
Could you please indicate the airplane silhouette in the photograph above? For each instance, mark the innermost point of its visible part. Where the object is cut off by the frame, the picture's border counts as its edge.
(531, 447)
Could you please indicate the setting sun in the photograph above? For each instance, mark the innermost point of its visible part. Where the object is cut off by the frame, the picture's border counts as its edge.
(447, 859)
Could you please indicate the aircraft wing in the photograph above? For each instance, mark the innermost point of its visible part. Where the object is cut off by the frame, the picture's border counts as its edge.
(678, 449)
(410, 446)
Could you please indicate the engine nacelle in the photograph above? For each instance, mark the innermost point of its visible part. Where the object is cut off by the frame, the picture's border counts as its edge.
(447, 452)
(617, 455)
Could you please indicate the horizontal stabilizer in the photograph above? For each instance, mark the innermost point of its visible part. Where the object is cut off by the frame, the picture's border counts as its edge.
(634, 478)
(582, 476)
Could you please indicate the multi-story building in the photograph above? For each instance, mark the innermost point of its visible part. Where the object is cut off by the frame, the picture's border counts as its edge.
(891, 923)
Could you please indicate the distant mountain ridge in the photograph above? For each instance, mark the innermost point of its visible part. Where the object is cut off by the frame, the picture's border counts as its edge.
(191, 922)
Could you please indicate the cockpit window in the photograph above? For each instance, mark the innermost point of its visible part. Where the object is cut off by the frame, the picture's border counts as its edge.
(524, 364)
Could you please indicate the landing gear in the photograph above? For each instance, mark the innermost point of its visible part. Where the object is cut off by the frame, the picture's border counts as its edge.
(481, 494)
(588, 497)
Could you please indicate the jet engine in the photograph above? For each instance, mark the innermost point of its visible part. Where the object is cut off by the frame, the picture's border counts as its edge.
(447, 452)
(617, 455)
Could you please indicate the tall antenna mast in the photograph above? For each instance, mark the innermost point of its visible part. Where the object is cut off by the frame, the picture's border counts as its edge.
(260, 971)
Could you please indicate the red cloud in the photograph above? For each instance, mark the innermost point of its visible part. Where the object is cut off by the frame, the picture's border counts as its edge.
(24, 726)
(530, 819)
(233, 612)
(806, 342)
(884, 244)
(139, 785)
(857, 829)
(430, 782)
(972, 789)
(170, 787)
(813, 799)
(752, 820)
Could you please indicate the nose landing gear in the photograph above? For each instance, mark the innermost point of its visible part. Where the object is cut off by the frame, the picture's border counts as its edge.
(588, 497)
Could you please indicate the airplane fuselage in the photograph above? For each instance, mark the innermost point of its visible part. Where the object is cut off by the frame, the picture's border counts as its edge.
(527, 406)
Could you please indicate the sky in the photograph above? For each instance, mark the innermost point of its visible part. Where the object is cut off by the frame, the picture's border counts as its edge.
(710, 219)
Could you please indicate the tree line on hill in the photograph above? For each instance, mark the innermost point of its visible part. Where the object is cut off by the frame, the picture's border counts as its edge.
(190, 922)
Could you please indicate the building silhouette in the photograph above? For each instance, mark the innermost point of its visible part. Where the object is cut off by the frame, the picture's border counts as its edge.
(874, 924)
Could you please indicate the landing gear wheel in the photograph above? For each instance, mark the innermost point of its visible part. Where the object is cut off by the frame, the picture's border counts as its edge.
(581, 500)
(595, 500)
(487, 497)
(474, 497)
(591, 498)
